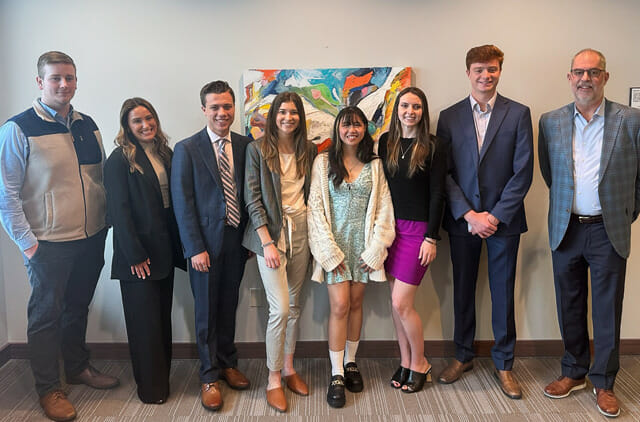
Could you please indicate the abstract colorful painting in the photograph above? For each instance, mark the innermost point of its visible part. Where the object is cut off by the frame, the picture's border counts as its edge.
(324, 92)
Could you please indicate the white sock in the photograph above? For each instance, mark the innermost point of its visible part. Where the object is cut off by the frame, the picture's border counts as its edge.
(350, 351)
(336, 362)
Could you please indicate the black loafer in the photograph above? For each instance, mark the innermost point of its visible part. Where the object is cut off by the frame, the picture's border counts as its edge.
(399, 378)
(335, 394)
(353, 378)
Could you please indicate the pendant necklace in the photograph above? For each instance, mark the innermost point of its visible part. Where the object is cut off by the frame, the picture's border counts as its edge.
(402, 151)
(350, 169)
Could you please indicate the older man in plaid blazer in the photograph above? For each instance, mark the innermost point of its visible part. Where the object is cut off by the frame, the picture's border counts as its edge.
(590, 159)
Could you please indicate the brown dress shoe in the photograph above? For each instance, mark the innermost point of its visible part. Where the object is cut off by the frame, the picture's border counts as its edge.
(276, 399)
(235, 378)
(94, 378)
(607, 402)
(508, 384)
(210, 396)
(564, 386)
(57, 407)
(454, 371)
(297, 384)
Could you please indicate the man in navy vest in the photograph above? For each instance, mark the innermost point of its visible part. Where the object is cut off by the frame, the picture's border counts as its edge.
(52, 205)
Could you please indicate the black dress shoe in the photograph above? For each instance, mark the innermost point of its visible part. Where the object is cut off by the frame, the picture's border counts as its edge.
(400, 377)
(416, 380)
(353, 378)
(335, 394)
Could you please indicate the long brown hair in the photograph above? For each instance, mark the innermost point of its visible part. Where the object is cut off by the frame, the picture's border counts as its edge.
(269, 147)
(125, 137)
(364, 151)
(425, 142)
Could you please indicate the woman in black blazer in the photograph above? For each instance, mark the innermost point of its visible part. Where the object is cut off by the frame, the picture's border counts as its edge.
(146, 246)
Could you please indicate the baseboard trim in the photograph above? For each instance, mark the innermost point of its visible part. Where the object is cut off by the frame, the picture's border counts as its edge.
(319, 349)
(5, 354)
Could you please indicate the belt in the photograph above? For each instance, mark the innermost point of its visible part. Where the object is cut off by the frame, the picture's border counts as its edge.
(587, 219)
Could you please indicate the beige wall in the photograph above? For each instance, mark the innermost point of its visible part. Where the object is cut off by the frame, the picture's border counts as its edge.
(4, 334)
(4, 338)
(167, 51)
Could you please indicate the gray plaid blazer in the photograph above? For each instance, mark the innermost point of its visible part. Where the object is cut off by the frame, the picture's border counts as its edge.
(619, 188)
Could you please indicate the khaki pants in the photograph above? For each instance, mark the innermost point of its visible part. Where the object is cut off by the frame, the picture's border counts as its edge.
(282, 286)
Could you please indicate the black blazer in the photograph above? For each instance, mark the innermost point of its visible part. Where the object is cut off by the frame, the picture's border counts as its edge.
(142, 227)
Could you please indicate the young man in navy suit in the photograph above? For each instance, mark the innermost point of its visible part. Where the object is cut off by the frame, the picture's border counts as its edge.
(490, 171)
(207, 189)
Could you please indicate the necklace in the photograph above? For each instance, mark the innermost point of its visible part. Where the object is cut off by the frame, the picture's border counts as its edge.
(402, 151)
(351, 168)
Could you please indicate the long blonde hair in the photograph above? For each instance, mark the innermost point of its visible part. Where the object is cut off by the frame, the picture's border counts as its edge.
(125, 136)
(269, 147)
(425, 142)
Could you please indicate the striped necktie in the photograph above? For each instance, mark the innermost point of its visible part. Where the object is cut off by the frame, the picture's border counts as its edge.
(233, 207)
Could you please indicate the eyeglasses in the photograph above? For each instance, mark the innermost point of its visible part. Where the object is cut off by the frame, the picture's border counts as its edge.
(593, 72)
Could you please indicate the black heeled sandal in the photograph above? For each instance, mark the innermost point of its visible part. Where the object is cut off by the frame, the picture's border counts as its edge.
(416, 381)
(400, 377)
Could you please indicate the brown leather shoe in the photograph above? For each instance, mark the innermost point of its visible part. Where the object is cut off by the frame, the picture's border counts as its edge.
(297, 384)
(94, 378)
(276, 399)
(564, 386)
(235, 378)
(57, 407)
(210, 396)
(454, 371)
(508, 384)
(607, 402)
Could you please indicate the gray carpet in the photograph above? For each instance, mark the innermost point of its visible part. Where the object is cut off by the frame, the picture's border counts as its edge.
(475, 397)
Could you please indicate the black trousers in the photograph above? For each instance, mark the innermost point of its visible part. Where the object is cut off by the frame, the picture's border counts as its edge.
(586, 248)
(147, 314)
(215, 296)
(63, 278)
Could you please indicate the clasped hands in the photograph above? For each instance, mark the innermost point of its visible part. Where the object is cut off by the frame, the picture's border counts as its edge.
(484, 224)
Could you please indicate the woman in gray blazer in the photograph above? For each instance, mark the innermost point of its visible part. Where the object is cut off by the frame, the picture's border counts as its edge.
(277, 181)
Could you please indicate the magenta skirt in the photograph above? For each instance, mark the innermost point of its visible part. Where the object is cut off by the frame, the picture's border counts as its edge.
(403, 263)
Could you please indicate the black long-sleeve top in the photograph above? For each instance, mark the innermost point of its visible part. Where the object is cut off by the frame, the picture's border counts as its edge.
(421, 197)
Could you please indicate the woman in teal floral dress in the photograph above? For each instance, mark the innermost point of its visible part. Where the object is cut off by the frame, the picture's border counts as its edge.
(351, 225)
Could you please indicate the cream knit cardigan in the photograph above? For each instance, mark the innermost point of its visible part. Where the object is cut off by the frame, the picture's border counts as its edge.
(379, 222)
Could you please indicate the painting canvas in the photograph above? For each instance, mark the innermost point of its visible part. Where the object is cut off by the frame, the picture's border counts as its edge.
(324, 93)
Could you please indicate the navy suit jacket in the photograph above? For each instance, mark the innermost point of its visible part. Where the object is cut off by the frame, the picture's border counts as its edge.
(197, 192)
(494, 179)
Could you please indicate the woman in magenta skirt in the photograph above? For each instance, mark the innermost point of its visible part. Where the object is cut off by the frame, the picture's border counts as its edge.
(415, 164)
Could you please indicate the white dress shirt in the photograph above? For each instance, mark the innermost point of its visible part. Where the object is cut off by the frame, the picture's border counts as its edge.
(481, 118)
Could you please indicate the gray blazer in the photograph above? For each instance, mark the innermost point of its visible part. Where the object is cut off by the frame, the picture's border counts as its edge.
(619, 188)
(263, 196)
